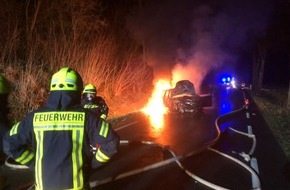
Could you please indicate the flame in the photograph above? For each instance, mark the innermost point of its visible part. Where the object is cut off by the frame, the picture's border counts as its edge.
(155, 108)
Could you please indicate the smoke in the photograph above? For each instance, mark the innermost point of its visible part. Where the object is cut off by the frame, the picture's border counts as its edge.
(187, 39)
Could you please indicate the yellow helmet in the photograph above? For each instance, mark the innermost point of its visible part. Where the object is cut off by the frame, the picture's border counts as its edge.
(90, 89)
(4, 86)
(66, 79)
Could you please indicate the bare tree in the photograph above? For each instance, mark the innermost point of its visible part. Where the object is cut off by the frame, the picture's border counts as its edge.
(259, 59)
(288, 101)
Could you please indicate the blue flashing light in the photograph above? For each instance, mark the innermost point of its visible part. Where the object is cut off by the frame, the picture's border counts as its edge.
(226, 79)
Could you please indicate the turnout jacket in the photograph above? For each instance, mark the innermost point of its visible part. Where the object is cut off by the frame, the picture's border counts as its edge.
(97, 105)
(56, 141)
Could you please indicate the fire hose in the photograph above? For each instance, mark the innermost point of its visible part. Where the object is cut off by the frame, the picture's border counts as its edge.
(178, 158)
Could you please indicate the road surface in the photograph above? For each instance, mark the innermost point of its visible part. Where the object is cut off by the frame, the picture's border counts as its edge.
(228, 147)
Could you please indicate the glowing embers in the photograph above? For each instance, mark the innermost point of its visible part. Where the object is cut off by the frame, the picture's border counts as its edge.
(155, 108)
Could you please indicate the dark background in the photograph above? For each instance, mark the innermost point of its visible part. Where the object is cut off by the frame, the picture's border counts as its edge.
(180, 31)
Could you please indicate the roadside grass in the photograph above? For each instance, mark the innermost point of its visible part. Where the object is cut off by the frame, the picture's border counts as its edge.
(51, 38)
(273, 105)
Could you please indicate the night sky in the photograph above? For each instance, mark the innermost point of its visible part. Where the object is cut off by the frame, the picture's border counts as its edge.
(208, 37)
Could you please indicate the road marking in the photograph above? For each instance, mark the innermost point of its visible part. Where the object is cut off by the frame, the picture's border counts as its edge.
(254, 165)
(250, 131)
(255, 178)
(124, 126)
(247, 115)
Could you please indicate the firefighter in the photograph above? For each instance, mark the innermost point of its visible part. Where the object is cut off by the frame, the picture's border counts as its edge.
(96, 103)
(56, 139)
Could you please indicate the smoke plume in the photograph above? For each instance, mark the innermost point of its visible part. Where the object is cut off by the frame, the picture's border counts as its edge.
(187, 39)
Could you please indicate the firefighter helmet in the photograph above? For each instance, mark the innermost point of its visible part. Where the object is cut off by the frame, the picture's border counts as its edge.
(66, 79)
(90, 89)
(4, 86)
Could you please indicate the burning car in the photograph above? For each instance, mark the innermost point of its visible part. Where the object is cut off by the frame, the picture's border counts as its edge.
(182, 99)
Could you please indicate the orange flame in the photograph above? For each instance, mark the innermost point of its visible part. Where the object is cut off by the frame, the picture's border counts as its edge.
(155, 108)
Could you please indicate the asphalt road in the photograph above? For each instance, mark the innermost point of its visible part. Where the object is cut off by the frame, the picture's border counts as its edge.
(191, 153)
(266, 157)
(246, 155)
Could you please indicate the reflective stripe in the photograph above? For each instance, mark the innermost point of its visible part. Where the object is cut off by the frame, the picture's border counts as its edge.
(14, 129)
(37, 188)
(58, 127)
(60, 121)
(77, 160)
(25, 157)
(38, 159)
(101, 157)
(104, 129)
(103, 116)
(89, 106)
